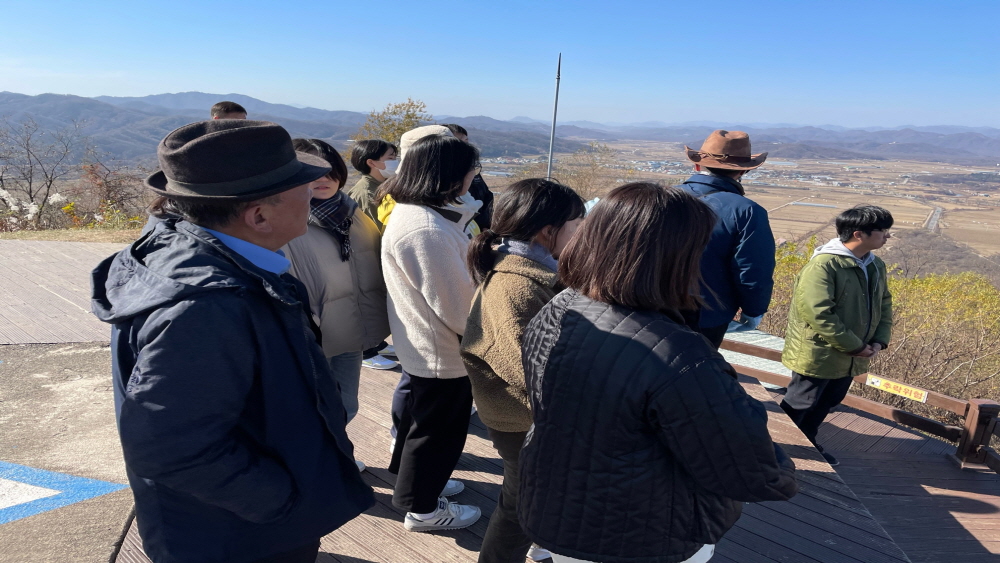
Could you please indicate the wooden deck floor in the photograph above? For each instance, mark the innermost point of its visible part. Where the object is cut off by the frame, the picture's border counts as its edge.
(826, 522)
(45, 291)
(936, 512)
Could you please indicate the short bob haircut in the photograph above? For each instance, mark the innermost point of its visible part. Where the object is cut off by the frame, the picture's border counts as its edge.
(432, 172)
(369, 149)
(520, 213)
(640, 248)
(864, 218)
(322, 149)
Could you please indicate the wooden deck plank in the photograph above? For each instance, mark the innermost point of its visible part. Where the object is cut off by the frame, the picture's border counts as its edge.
(861, 535)
(853, 430)
(821, 544)
(748, 546)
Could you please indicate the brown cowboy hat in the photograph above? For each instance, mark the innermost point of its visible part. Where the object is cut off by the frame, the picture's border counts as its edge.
(231, 160)
(726, 149)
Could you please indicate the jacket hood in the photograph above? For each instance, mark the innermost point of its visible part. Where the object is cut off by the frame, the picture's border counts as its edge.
(526, 267)
(172, 261)
(837, 248)
(461, 213)
(468, 206)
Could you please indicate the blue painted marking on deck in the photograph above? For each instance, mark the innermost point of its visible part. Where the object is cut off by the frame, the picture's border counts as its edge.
(71, 489)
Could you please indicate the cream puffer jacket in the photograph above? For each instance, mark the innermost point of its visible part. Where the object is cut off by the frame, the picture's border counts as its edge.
(430, 289)
(348, 298)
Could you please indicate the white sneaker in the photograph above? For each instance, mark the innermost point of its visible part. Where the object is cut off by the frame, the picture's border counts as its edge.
(361, 465)
(536, 553)
(392, 446)
(448, 516)
(378, 362)
(389, 350)
(453, 488)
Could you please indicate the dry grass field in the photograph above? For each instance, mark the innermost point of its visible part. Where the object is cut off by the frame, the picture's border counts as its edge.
(796, 193)
(978, 228)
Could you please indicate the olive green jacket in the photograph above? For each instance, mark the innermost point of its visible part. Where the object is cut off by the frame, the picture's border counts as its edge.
(364, 193)
(829, 317)
(511, 295)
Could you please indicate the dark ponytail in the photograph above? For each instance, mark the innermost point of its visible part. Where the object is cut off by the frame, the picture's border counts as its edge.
(480, 257)
(521, 212)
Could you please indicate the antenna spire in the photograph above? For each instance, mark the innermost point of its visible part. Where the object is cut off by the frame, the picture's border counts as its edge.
(555, 111)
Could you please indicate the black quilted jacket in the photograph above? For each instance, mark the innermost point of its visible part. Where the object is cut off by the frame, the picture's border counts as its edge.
(644, 445)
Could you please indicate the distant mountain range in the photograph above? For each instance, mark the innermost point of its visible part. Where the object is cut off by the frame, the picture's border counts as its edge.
(130, 128)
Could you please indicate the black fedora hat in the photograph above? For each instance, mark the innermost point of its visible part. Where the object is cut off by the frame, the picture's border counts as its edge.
(231, 159)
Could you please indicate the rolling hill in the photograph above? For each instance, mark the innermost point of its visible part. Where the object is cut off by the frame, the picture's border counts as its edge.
(130, 128)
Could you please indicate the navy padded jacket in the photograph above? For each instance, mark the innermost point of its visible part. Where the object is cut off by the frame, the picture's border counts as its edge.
(738, 264)
(231, 424)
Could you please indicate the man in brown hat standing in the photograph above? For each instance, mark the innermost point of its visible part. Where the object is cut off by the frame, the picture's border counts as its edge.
(737, 267)
(231, 425)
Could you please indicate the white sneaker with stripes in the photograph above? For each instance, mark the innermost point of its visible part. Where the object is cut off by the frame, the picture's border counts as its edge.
(452, 488)
(448, 516)
(536, 553)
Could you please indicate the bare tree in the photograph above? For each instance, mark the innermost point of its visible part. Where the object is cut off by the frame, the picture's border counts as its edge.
(109, 194)
(592, 171)
(396, 119)
(33, 163)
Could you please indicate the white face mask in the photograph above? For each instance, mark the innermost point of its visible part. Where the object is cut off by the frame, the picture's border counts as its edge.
(390, 168)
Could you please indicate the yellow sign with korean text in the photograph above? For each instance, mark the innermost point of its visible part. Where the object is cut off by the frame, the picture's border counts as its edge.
(895, 388)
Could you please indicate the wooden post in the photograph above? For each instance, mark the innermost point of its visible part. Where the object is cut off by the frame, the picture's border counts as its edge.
(979, 424)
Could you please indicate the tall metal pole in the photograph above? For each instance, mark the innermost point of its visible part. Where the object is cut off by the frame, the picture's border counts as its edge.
(555, 111)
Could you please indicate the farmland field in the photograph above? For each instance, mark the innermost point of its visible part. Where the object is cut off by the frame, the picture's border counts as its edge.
(978, 228)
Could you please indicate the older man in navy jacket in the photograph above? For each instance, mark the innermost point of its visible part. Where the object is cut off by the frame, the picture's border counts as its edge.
(231, 425)
(737, 267)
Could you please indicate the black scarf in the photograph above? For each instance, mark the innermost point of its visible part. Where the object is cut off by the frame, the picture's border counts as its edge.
(336, 216)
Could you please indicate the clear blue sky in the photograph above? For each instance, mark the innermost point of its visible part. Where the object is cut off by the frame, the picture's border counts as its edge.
(845, 62)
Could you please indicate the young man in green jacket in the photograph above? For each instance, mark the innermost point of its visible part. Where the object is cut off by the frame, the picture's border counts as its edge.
(841, 317)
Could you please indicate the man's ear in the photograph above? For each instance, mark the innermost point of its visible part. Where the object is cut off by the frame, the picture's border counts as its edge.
(256, 218)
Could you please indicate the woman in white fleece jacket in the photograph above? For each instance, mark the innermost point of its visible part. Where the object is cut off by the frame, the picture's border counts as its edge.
(430, 293)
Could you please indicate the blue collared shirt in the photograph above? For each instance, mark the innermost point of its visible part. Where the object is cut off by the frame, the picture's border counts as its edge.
(267, 260)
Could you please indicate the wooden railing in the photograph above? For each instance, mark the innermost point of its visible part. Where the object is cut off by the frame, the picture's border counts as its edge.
(990, 456)
(972, 438)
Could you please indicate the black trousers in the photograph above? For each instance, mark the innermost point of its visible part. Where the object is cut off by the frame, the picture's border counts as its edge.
(399, 397)
(809, 399)
(505, 540)
(430, 437)
(306, 554)
(714, 334)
